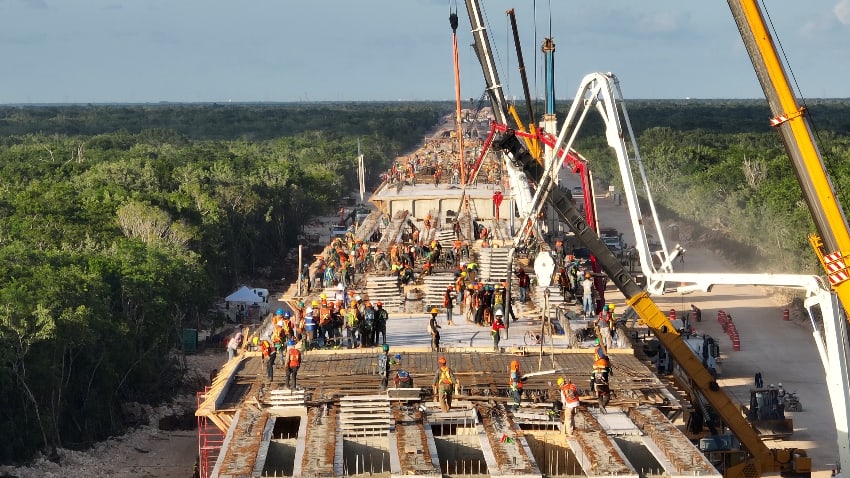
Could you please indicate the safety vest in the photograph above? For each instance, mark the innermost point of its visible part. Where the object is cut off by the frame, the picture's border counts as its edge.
(294, 357)
(309, 322)
(445, 375)
(351, 317)
(569, 393)
(324, 316)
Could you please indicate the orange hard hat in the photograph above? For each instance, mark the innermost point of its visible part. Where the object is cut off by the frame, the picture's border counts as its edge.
(514, 364)
(379, 304)
(442, 360)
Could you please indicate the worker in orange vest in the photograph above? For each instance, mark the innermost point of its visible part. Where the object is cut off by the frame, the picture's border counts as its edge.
(570, 400)
(269, 355)
(293, 363)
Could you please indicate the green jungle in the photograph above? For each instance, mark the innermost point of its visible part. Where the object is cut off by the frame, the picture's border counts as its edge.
(122, 224)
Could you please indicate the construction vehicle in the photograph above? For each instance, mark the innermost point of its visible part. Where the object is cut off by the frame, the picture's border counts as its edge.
(766, 412)
(755, 458)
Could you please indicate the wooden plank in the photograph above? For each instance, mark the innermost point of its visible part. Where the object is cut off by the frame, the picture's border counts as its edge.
(366, 419)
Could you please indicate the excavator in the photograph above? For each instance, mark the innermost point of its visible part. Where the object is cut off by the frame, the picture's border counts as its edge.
(831, 244)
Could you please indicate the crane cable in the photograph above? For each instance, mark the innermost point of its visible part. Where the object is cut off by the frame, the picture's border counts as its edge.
(828, 157)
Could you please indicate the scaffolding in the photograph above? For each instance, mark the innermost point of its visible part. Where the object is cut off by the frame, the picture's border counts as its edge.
(210, 440)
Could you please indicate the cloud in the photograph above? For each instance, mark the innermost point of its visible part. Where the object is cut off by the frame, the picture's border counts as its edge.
(842, 11)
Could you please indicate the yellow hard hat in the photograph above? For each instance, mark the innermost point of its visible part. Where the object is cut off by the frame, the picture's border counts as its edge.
(434, 310)
(560, 381)
(463, 274)
(323, 296)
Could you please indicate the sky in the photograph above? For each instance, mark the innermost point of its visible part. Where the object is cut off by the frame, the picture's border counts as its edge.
(143, 51)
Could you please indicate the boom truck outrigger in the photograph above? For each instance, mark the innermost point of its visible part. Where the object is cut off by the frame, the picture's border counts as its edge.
(830, 244)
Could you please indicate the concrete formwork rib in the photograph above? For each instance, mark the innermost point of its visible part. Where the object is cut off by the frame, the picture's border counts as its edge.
(505, 445)
(320, 444)
(369, 226)
(597, 452)
(242, 444)
(415, 452)
(668, 444)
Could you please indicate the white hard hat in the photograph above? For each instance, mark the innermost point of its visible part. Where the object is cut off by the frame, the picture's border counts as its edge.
(779, 385)
(340, 286)
(309, 310)
(499, 313)
(357, 298)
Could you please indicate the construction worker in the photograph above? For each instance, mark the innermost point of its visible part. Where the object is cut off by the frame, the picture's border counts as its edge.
(293, 362)
(286, 326)
(448, 303)
(434, 330)
(310, 326)
(445, 384)
(269, 355)
(403, 379)
(516, 381)
(587, 296)
(381, 318)
(498, 325)
(599, 350)
(570, 400)
(233, 345)
(523, 281)
(384, 366)
(603, 324)
(599, 382)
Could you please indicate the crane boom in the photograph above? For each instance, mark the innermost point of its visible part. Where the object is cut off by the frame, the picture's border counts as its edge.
(519, 184)
(832, 243)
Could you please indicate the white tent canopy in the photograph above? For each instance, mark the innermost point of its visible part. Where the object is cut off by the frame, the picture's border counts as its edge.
(245, 295)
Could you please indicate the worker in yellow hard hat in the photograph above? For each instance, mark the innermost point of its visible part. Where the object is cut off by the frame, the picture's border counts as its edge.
(434, 330)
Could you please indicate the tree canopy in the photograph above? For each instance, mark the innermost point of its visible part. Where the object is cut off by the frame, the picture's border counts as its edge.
(122, 224)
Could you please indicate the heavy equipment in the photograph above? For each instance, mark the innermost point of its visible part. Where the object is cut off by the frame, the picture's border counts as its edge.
(830, 244)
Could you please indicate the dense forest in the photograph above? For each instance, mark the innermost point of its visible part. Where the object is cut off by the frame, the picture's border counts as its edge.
(121, 224)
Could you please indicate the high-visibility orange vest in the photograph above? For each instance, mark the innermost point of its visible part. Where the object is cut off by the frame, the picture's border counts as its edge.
(294, 357)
